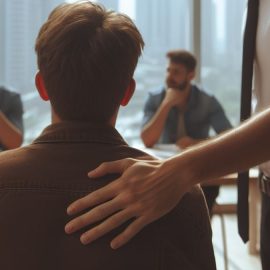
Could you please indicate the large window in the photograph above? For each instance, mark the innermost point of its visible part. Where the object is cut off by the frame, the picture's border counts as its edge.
(164, 24)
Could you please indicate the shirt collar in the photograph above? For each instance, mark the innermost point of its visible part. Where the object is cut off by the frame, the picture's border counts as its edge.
(79, 132)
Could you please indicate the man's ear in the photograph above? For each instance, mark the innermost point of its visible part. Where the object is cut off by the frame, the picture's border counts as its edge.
(129, 92)
(41, 86)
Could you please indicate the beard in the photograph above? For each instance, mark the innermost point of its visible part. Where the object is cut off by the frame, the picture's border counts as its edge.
(179, 86)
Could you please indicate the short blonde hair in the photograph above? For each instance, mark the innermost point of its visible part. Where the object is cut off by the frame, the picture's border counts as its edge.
(87, 56)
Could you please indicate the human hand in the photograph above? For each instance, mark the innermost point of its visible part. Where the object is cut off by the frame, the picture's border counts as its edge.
(146, 191)
(174, 97)
(185, 142)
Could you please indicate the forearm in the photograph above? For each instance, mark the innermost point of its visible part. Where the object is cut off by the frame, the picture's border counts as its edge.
(233, 151)
(10, 136)
(153, 129)
(147, 190)
(187, 141)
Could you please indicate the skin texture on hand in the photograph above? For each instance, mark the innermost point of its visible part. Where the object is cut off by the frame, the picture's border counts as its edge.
(147, 190)
(133, 195)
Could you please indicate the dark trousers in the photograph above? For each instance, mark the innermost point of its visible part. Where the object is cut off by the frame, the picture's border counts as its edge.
(210, 193)
(265, 232)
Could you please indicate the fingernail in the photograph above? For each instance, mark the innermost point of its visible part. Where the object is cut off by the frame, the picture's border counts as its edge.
(70, 210)
(68, 228)
(90, 174)
(84, 240)
(114, 245)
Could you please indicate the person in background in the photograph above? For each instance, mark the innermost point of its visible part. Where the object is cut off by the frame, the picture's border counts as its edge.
(181, 112)
(11, 119)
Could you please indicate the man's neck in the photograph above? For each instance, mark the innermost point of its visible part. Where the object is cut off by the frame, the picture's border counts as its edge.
(56, 119)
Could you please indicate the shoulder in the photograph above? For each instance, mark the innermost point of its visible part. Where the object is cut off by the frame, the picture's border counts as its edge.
(9, 98)
(155, 96)
(11, 164)
(8, 94)
(13, 156)
(203, 95)
(200, 92)
(157, 92)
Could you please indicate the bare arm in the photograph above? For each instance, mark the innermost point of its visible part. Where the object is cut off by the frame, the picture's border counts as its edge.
(187, 141)
(153, 129)
(233, 151)
(10, 136)
(147, 190)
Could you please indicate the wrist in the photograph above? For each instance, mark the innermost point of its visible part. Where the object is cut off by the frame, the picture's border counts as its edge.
(166, 105)
(180, 171)
(199, 160)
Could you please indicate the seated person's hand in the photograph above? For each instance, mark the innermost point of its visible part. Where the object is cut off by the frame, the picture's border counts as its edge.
(175, 97)
(186, 141)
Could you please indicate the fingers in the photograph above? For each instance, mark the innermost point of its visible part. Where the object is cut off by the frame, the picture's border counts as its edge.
(105, 193)
(111, 167)
(134, 228)
(99, 196)
(98, 213)
(108, 225)
(120, 195)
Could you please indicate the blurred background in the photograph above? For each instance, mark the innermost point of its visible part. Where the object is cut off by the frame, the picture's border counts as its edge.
(211, 29)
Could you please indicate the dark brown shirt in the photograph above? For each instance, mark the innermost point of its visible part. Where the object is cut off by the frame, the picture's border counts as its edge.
(39, 181)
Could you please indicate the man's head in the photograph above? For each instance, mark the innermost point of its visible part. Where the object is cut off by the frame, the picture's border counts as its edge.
(181, 69)
(87, 56)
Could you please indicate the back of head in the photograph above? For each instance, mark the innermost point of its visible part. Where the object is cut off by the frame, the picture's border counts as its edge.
(184, 58)
(87, 56)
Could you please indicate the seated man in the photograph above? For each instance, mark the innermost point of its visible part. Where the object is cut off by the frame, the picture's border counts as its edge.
(11, 120)
(86, 57)
(181, 113)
